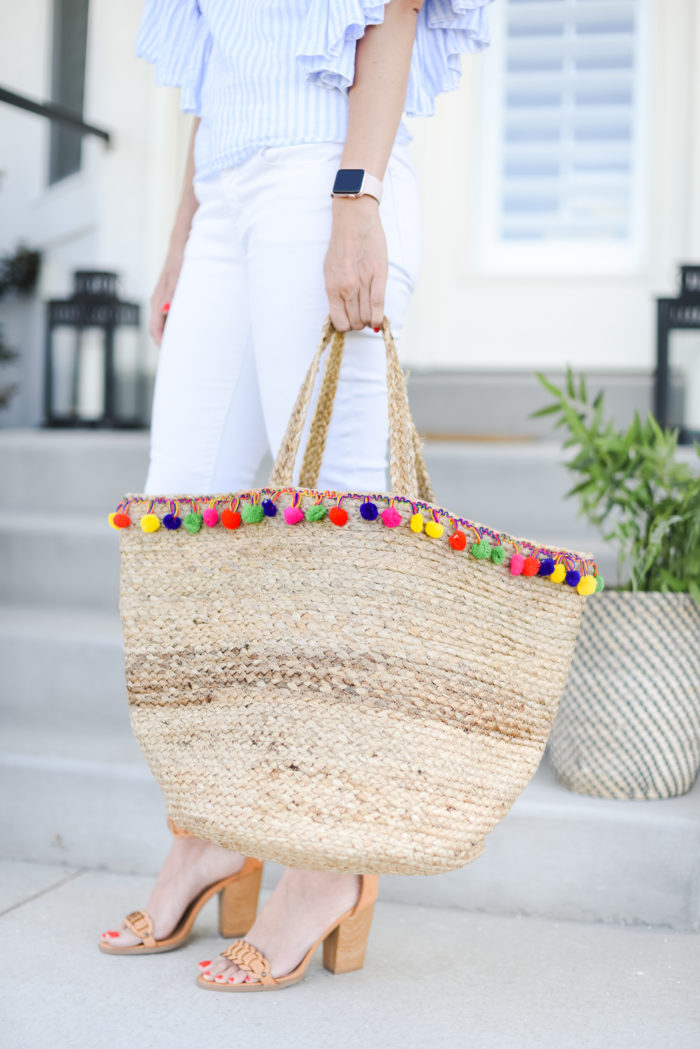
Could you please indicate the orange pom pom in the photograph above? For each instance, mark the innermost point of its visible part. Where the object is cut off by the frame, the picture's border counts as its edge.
(338, 516)
(230, 519)
(458, 540)
(531, 566)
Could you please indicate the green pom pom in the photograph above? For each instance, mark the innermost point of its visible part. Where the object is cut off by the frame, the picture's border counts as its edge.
(482, 549)
(599, 584)
(498, 554)
(252, 513)
(316, 512)
(193, 521)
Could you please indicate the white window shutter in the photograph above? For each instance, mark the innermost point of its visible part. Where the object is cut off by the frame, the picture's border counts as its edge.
(564, 134)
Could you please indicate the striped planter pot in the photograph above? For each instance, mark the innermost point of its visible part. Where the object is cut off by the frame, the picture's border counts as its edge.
(628, 725)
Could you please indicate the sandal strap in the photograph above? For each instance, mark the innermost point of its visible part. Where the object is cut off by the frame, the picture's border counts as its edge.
(178, 832)
(250, 960)
(139, 922)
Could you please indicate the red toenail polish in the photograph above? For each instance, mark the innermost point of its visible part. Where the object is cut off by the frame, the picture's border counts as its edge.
(247, 979)
(110, 932)
(203, 965)
(232, 980)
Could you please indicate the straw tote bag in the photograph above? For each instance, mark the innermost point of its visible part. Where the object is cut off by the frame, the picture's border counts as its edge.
(345, 681)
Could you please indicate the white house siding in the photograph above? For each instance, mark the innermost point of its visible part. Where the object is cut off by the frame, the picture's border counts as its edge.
(115, 213)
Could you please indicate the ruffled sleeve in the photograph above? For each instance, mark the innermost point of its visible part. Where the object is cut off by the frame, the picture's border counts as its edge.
(174, 36)
(446, 30)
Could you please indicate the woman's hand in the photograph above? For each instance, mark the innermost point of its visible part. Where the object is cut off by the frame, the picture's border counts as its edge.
(163, 295)
(356, 264)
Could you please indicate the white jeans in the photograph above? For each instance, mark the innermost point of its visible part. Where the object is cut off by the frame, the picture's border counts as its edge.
(246, 317)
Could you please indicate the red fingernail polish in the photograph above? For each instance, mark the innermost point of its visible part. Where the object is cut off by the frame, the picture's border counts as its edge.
(375, 329)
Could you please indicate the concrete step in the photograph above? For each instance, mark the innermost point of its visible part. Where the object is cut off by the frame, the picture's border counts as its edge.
(88, 800)
(62, 668)
(54, 471)
(499, 404)
(58, 559)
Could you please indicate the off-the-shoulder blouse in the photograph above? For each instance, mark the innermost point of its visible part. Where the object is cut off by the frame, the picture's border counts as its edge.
(276, 72)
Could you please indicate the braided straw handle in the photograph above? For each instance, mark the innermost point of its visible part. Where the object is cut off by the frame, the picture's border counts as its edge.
(409, 475)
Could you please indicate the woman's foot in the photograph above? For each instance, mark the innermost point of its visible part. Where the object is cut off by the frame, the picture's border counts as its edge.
(302, 907)
(191, 865)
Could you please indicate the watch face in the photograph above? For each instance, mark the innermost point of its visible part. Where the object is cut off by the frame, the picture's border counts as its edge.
(348, 180)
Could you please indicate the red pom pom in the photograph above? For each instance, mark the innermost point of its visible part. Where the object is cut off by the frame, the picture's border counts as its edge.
(230, 518)
(122, 520)
(338, 516)
(531, 566)
(458, 541)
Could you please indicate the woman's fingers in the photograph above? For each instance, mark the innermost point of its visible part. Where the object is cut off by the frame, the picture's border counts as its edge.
(337, 312)
(376, 295)
(156, 323)
(352, 308)
(365, 303)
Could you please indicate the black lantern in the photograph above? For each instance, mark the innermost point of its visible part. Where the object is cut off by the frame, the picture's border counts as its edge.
(93, 371)
(677, 384)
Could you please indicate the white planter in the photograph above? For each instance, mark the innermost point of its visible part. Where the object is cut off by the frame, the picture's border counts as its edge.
(628, 725)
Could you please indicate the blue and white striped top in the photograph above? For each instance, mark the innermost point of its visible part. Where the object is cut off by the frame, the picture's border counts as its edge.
(276, 72)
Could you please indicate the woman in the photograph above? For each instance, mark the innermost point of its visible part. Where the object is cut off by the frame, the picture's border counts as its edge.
(286, 93)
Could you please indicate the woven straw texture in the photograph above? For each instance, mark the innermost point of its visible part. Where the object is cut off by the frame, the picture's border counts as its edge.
(356, 699)
(628, 725)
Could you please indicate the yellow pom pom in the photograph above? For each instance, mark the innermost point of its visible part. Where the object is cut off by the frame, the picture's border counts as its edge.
(111, 521)
(434, 530)
(417, 523)
(559, 574)
(586, 585)
(150, 523)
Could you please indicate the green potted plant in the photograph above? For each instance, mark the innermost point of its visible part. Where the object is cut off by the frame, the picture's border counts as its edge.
(628, 725)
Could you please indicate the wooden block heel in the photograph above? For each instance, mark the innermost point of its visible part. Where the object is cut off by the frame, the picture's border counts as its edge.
(344, 950)
(238, 901)
(344, 945)
(239, 890)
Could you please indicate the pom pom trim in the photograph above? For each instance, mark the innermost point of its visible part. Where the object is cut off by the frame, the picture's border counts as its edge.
(517, 556)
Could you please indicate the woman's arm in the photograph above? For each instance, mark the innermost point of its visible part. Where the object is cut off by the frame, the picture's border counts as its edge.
(355, 267)
(178, 238)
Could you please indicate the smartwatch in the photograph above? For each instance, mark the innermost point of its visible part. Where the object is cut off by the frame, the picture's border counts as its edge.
(354, 182)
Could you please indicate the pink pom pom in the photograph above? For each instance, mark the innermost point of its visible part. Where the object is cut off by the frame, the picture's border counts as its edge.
(516, 564)
(293, 514)
(210, 516)
(391, 517)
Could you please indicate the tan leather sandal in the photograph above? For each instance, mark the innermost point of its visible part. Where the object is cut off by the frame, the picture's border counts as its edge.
(238, 907)
(344, 946)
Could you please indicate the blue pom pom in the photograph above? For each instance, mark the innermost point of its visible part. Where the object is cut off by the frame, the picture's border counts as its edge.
(369, 511)
(572, 577)
(172, 521)
(269, 508)
(546, 566)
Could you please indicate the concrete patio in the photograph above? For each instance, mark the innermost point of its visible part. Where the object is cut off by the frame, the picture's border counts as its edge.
(433, 978)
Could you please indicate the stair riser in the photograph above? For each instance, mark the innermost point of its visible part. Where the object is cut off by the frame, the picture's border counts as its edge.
(77, 684)
(70, 472)
(57, 567)
(534, 863)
